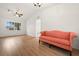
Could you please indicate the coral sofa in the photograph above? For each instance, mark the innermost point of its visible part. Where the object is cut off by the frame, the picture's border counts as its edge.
(58, 38)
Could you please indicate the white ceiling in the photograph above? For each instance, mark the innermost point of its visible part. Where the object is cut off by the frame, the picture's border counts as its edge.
(28, 8)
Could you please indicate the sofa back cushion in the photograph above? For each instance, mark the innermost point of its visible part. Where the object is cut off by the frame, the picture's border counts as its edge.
(43, 33)
(58, 34)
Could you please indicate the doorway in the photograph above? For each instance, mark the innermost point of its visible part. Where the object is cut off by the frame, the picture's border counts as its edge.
(38, 27)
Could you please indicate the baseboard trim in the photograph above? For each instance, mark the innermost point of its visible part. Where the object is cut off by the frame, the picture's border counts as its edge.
(12, 36)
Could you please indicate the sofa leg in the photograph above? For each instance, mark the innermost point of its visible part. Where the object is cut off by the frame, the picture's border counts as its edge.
(70, 53)
(49, 46)
(39, 41)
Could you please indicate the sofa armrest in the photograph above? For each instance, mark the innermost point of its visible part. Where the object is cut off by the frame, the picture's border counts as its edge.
(43, 33)
(72, 36)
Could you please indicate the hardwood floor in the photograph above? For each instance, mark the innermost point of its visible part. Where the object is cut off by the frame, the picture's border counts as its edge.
(29, 46)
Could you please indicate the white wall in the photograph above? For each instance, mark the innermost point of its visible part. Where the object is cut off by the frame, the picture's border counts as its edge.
(63, 17)
(5, 32)
(4, 17)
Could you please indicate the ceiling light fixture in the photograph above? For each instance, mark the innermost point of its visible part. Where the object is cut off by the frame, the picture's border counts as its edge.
(37, 4)
(17, 12)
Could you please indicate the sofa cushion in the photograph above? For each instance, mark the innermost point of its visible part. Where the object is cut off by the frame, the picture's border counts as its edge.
(58, 34)
(57, 40)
